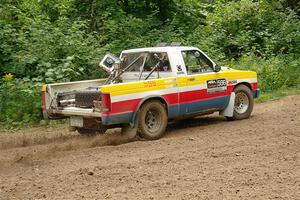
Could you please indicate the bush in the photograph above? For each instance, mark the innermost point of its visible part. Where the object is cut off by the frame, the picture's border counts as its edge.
(48, 52)
(274, 73)
(19, 103)
(238, 27)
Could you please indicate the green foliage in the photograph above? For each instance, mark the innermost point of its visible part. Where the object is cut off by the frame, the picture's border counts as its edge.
(239, 26)
(278, 93)
(45, 41)
(45, 51)
(20, 103)
(274, 73)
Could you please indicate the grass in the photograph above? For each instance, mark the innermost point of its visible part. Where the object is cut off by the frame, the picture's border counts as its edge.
(266, 96)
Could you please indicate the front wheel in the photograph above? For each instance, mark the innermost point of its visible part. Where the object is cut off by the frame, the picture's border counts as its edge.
(153, 120)
(243, 103)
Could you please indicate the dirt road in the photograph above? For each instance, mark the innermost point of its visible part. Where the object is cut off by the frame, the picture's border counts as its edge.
(203, 158)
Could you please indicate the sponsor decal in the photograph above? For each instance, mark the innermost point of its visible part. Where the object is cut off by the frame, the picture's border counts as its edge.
(233, 82)
(150, 84)
(216, 85)
(179, 68)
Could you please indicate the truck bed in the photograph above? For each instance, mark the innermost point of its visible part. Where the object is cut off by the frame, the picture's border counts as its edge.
(67, 106)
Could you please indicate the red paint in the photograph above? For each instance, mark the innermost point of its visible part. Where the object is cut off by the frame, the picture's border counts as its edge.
(124, 106)
(197, 95)
(254, 86)
(172, 99)
(43, 97)
(106, 103)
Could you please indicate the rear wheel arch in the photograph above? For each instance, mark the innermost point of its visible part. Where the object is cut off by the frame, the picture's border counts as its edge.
(147, 99)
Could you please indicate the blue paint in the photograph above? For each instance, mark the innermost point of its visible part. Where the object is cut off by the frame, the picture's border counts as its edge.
(199, 106)
(124, 118)
(173, 111)
(256, 93)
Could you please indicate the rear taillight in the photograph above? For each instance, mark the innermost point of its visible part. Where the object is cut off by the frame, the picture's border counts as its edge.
(106, 103)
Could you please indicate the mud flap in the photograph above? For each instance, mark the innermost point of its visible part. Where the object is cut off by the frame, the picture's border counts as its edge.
(228, 111)
(130, 130)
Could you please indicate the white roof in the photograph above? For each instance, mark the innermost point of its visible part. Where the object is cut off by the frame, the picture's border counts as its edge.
(160, 49)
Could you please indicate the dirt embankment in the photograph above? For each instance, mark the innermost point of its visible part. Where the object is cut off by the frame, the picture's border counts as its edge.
(202, 158)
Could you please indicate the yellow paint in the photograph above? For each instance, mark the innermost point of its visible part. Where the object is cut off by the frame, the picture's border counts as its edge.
(44, 88)
(165, 83)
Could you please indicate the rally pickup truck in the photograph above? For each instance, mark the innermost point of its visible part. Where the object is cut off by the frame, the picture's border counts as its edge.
(147, 87)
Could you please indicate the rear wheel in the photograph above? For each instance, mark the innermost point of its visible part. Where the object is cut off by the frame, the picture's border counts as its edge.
(243, 103)
(153, 120)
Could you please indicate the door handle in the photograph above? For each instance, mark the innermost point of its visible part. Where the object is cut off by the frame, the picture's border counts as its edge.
(191, 79)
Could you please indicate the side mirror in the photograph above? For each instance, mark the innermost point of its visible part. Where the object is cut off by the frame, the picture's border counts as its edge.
(110, 62)
(217, 68)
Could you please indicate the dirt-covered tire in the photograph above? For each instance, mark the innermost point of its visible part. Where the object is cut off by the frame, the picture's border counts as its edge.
(86, 98)
(243, 103)
(152, 120)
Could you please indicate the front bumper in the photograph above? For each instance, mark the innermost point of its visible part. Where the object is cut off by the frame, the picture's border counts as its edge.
(256, 93)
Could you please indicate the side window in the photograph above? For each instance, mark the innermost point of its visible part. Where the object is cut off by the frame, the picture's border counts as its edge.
(136, 67)
(196, 62)
(151, 62)
(133, 59)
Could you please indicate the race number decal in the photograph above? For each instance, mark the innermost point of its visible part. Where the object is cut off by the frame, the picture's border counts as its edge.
(216, 85)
